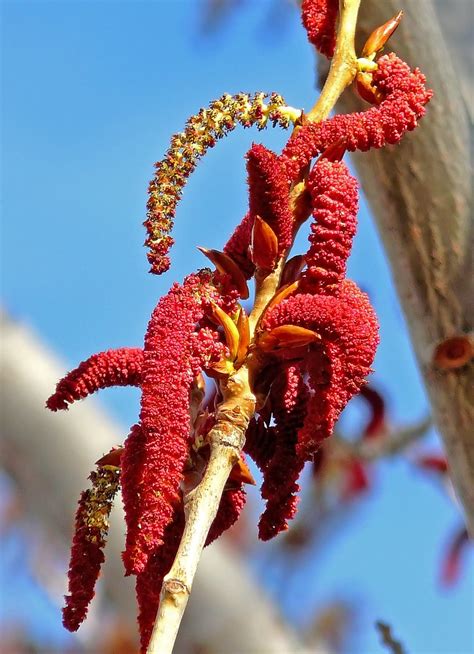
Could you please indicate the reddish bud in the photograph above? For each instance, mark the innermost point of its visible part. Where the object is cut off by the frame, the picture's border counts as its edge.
(335, 151)
(264, 245)
(244, 335)
(381, 35)
(287, 336)
(240, 474)
(227, 266)
(112, 458)
(283, 293)
(366, 90)
(292, 269)
(230, 329)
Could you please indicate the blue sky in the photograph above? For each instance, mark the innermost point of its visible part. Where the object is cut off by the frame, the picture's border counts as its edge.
(92, 92)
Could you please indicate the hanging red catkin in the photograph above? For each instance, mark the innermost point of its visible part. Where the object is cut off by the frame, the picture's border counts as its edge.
(319, 19)
(334, 202)
(280, 485)
(122, 367)
(170, 364)
(349, 337)
(405, 97)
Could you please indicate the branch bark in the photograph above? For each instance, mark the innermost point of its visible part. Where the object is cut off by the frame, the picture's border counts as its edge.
(420, 192)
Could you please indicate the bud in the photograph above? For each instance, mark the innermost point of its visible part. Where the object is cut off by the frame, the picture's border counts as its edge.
(381, 35)
(366, 90)
(230, 329)
(227, 266)
(335, 151)
(243, 328)
(287, 336)
(264, 245)
(292, 269)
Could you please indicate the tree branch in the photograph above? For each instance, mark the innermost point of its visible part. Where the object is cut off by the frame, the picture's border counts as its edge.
(420, 195)
(227, 438)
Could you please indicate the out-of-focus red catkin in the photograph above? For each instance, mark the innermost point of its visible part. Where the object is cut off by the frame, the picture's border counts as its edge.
(170, 364)
(122, 367)
(90, 534)
(376, 422)
(334, 203)
(405, 97)
(338, 367)
(279, 488)
(319, 19)
(452, 563)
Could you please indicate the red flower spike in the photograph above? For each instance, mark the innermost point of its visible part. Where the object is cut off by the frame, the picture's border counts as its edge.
(405, 97)
(334, 200)
(260, 442)
(237, 247)
(170, 364)
(269, 193)
(90, 534)
(337, 370)
(319, 20)
(289, 398)
(381, 35)
(122, 367)
(451, 565)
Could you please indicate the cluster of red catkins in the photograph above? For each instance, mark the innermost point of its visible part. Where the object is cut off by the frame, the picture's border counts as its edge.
(315, 341)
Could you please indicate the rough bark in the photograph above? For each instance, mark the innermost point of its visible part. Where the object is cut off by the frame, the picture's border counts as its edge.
(420, 193)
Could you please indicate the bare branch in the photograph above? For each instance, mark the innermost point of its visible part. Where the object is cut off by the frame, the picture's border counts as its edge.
(394, 646)
(390, 445)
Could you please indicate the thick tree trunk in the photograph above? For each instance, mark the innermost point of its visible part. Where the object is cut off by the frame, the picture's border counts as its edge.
(420, 193)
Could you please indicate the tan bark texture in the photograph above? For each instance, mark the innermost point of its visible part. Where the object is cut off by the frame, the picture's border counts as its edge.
(420, 194)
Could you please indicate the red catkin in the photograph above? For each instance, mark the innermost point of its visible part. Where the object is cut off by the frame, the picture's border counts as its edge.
(405, 97)
(122, 367)
(279, 488)
(333, 192)
(170, 364)
(337, 368)
(269, 193)
(319, 19)
(260, 442)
